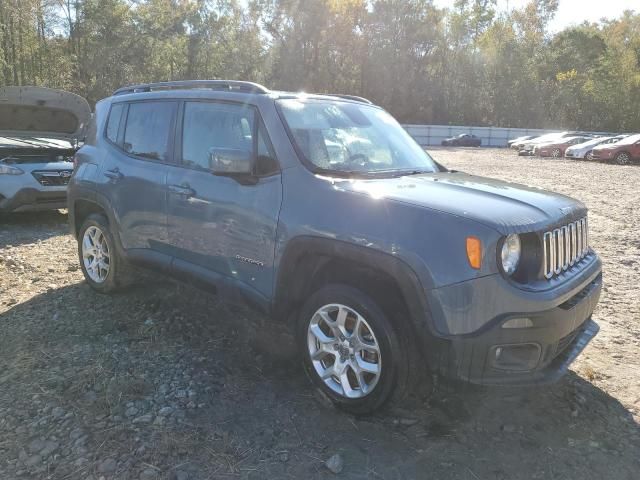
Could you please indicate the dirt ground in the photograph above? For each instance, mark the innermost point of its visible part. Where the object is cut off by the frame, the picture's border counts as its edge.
(165, 382)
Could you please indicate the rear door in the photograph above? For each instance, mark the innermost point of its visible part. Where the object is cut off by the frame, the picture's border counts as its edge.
(134, 169)
(221, 223)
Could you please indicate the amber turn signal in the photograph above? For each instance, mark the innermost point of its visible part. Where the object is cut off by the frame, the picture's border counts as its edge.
(474, 252)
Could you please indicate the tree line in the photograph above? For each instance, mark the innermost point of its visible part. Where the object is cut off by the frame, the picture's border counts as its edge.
(469, 64)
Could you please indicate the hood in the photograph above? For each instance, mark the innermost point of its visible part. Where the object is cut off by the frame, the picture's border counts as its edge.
(42, 112)
(506, 207)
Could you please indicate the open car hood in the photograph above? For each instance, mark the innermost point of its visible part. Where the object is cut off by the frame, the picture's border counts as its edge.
(42, 112)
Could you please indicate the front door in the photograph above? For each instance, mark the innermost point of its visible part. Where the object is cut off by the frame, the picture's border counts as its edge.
(224, 224)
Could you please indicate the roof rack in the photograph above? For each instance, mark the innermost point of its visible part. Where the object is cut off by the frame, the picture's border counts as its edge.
(350, 97)
(229, 85)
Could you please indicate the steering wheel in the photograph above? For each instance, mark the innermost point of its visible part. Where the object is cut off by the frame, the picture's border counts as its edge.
(359, 159)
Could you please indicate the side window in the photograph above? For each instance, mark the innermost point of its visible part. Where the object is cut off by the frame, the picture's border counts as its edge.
(113, 124)
(215, 127)
(266, 163)
(148, 128)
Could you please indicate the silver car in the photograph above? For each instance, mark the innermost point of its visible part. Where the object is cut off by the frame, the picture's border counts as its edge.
(585, 150)
(40, 130)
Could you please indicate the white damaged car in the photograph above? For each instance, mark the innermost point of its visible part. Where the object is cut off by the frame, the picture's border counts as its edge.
(40, 131)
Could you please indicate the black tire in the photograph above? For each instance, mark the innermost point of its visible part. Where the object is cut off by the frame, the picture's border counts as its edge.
(393, 381)
(120, 273)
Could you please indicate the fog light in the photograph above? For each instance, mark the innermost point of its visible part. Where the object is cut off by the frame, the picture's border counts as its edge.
(518, 358)
(518, 323)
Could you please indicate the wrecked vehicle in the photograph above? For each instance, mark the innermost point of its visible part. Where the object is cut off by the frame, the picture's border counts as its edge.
(40, 130)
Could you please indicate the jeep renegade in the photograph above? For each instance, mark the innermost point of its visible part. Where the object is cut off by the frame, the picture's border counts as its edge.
(322, 212)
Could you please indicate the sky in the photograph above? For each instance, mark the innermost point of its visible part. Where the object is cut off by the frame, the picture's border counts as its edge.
(572, 12)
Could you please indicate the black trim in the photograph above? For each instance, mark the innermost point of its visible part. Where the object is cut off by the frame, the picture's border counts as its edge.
(305, 247)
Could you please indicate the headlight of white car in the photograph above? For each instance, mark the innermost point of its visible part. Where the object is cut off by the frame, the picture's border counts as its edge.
(9, 170)
(510, 255)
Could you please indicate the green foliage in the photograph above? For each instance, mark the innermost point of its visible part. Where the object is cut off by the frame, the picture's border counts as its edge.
(465, 65)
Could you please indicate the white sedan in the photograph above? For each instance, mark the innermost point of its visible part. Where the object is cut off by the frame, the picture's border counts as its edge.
(583, 150)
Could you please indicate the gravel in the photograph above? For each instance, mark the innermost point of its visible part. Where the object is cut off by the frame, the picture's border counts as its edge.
(165, 381)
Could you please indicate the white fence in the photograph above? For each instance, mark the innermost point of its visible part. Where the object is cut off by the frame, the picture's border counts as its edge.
(490, 136)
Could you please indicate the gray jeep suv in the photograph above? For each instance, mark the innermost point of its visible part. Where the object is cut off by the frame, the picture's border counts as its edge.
(321, 211)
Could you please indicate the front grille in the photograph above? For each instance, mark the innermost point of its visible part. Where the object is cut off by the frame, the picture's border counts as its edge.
(52, 178)
(564, 247)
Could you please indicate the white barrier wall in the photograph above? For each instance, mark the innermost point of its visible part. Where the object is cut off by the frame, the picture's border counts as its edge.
(490, 136)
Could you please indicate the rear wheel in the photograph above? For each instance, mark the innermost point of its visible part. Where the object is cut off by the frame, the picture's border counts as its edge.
(556, 153)
(623, 158)
(351, 351)
(104, 270)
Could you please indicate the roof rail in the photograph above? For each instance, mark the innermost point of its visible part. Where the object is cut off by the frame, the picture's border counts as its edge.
(350, 97)
(229, 85)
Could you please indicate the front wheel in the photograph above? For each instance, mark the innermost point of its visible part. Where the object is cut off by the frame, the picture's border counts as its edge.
(623, 158)
(589, 155)
(556, 153)
(351, 351)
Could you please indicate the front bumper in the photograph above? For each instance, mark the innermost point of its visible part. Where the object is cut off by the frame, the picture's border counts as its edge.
(32, 199)
(540, 353)
(574, 154)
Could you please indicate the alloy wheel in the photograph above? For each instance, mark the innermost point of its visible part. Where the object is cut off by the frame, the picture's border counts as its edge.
(344, 351)
(623, 158)
(95, 254)
(589, 155)
(556, 153)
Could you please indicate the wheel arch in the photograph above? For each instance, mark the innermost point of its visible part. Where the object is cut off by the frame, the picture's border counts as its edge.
(309, 262)
(83, 206)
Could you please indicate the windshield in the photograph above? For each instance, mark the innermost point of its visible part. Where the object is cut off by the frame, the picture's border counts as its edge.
(594, 141)
(629, 140)
(352, 138)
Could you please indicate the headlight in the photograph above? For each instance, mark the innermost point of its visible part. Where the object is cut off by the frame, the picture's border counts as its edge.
(510, 253)
(9, 170)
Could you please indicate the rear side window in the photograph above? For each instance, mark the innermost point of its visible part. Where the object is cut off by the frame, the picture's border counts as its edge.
(148, 128)
(113, 124)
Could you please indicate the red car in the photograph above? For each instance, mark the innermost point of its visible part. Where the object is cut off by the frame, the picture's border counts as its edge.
(622, 152)
(556, 148)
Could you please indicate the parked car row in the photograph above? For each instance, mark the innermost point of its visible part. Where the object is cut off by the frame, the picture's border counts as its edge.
(622, 149)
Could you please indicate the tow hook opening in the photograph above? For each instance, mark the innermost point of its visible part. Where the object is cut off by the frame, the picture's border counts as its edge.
(516, 357)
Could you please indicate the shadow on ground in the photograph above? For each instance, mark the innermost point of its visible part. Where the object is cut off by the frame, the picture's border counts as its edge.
(240, 409)
(18, 228)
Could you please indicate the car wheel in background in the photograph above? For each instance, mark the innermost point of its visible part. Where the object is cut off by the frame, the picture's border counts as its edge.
(556, 153)
(104, 270)
(351, 351)
(623, 158)
(589, 155)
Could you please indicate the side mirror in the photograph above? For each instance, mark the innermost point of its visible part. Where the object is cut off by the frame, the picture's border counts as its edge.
(230, 161)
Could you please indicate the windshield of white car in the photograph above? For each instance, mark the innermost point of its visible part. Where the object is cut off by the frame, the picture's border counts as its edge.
(347, 138)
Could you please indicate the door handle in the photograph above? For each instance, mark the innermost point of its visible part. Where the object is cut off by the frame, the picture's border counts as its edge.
(183, 190)
(114, 174)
